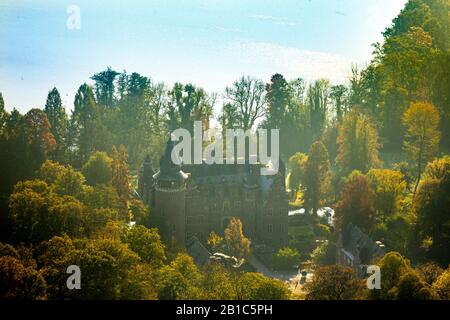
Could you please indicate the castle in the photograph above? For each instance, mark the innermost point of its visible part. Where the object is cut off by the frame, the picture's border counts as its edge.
(196, 199)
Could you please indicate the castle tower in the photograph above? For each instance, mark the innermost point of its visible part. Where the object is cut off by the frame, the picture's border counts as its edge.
(169, 202)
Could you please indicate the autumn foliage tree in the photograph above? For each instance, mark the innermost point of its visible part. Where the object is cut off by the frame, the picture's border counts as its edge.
(237, 244)
(422, 135)
(356, 204)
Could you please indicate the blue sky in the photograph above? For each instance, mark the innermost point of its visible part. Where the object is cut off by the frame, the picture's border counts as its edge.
(208, 43)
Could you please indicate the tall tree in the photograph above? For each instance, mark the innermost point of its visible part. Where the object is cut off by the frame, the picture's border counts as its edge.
(3, 114)
(56, 115)
(277, 100)
(422, 136)
(356, 203)
(247, 98)
(358, 144)
(187, 104)
(316, 177)
(318, 95)
(120, 178)
(237, 244)
(104, 86)
(432, 206)
(389, 187)
(338, 94)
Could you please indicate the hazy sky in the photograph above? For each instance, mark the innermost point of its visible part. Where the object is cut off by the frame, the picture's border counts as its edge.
(208, 43)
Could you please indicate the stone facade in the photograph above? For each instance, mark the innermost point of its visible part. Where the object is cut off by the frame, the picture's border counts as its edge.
(193, 200)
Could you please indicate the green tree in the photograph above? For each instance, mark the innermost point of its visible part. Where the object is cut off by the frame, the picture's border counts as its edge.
(318, 103)
(421, 121)
(334, 283)
(429, 271)
(120, 178)
(56, 115)
(104, 86)
(412, 287)
(431, 206)
(285, 259)
(105, 266)
(389, 187)
(69, 182)
(442, 285)
(297, 164)
(247, 100)
(255, 286)
(358, 144)
(50, 171)
(392, 266)
(338, 94)
(97, 169)
(237, 244)
(147, 244)
(316, 177)
(18, 282)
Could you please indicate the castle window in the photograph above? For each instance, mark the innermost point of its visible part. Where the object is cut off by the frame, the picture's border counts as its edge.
(188, 220)
(270, 211)
(269, 228)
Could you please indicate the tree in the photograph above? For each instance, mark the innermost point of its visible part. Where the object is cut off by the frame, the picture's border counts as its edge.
(246, 97)
(50, 171)
(277, 101)
(69, 182)
(146, 243)
(214, 241)
(338, 94)
(38, 214)
(255, 286)
(412, 287)
(358, 144)
(3, 115)
(57, 117)
(105, 265)
(217, 283)
(318, 95)
(235, 241)
(97, 169)
(389, 187)
(104, 86)
(87, 128)
(297, 165)
(187, 104)
(316, 177)
(432, 205)
(422, 136)
(392, 266)
(18, 282)
(285, 259)
(334, 283)
(356, 203)
(442, 285)
(120, 178)
(429, 271)
(179, 280)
